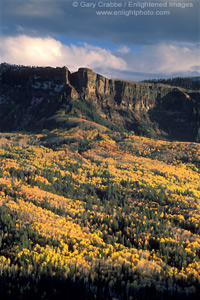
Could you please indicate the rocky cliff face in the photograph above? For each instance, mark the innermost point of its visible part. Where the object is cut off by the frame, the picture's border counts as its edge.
(134, 95)
(163, 110)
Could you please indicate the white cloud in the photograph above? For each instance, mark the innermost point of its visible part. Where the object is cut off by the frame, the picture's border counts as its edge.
(164, 59)
(147, 61)
(48, 51)
(123, 50)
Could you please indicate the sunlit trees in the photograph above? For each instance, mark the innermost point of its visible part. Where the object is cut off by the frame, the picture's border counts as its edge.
(113, 214)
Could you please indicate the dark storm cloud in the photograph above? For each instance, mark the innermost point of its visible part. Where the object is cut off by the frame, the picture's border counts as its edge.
(59, 17)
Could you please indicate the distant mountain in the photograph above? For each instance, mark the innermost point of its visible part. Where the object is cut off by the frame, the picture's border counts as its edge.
(34, 98)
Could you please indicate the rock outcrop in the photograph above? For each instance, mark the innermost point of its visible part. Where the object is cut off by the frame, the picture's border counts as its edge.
(132, 95)
(127, 104)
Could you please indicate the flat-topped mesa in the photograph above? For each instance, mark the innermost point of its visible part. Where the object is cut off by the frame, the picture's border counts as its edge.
(30, 95)
(133, 95)
(27, 74)
(82, 77)
(56, 75)
(137, 96)
(86, 84)
(90, 85)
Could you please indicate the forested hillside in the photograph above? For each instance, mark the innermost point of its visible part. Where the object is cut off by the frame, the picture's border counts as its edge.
(189, 83)
(97, 214)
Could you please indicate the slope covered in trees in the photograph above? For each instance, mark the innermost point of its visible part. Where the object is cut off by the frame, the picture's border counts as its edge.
(86, 214)
(189, 83)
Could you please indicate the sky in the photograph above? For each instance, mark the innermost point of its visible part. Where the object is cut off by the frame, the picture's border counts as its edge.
(134, 40)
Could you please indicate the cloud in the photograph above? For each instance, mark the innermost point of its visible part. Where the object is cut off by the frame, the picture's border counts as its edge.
(56, 17)
(123, 50)
(39, 51)
(163, 60)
